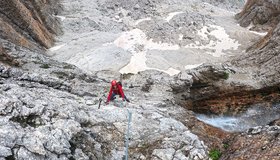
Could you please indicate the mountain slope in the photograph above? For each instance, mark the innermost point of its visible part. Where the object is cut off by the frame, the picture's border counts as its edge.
(50, 109)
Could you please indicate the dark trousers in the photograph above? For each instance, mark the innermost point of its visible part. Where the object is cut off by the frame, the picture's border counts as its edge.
(113, 96)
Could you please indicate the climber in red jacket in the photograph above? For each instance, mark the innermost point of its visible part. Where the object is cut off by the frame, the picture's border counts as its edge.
(116, 89)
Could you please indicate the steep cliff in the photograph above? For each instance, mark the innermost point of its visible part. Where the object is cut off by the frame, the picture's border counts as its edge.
(264, 56)
(29, 24)
(252, 77)
(263, 14)
(262, 60)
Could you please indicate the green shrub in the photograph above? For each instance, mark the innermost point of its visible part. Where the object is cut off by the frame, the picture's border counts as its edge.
(226, 75)
(215, 154)
(225, 145)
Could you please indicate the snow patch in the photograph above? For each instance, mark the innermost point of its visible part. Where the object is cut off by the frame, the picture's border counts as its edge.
(180, 37)
(171, 15)
(259, 33)
(62, 18)
(203, 32)
(136, 64)
(172, 71)
(160, 46)
(192, 66)
(136, 42)
(142, 20)
(255, 32)
(55, 48)
(219, 46)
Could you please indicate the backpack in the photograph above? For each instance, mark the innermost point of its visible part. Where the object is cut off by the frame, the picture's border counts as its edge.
(119, 83)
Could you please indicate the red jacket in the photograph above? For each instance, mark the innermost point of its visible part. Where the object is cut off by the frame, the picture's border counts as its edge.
(117, 91)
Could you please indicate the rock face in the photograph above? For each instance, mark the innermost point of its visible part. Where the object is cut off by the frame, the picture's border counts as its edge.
(261, 13)
(256, 143)
(213, 90)
(251, 77)
(27, 23)
(265, 59)
(264, 55)
(50, 110)
(6, 58)
(52, 113)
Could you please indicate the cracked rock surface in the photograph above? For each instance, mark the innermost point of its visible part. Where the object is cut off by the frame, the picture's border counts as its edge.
(50, 109)
(46, 115)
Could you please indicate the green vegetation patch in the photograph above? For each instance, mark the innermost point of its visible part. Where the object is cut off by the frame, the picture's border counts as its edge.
(225, 145)
(226, 75)
(215, 154)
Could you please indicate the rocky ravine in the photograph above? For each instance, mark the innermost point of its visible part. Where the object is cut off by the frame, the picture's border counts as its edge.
(49, 109)
(253, 76)
(263, 56)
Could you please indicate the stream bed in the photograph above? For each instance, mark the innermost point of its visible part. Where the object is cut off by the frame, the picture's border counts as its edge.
(256, 115)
